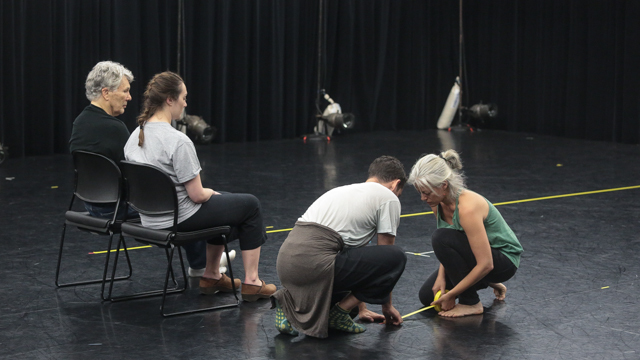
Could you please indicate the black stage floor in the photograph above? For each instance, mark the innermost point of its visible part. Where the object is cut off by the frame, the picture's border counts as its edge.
(573, 204)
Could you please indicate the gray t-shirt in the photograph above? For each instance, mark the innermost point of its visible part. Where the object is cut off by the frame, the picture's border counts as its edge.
(357, 212)
(174, 153)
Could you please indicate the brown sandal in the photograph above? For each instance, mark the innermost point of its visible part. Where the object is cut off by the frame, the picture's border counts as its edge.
(210, 286)
(252, 293)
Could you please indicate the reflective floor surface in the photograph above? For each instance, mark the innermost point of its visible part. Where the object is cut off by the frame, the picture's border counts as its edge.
(573, 204)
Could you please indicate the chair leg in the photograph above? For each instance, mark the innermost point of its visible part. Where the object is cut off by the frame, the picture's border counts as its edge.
(64, 228)
(106, 266)
(233, 283)
(173, 275)
(184, 273)
(85, 282)
(166, 278)
(113, 271)
(151, 293)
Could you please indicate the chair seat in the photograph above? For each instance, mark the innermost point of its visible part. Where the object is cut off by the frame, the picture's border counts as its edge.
(164, 237)
(86, 222)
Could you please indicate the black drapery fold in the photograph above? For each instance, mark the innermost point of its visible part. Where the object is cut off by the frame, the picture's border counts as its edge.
(251, 66)
(559, 67)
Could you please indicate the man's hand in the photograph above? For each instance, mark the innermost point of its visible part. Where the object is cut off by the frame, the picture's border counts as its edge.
(391, 315)
(367, 315)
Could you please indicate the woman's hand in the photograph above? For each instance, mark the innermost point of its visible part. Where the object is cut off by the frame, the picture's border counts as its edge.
(440, 284)
(446, 301)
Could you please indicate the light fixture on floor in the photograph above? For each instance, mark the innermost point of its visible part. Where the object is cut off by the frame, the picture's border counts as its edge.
(196, 128)
(331, 119)
(478, 114)
(483, 111)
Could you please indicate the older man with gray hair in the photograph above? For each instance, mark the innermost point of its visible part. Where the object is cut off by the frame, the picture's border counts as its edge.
(96, 129)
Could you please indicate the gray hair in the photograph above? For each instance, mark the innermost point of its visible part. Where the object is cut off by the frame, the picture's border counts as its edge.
(106, 74)
(431, 171)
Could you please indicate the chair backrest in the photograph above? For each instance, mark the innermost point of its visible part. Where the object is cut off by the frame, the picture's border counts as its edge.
(150, 190)
(98, 178)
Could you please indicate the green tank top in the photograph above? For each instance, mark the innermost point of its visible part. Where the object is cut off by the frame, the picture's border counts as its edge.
(500, 235)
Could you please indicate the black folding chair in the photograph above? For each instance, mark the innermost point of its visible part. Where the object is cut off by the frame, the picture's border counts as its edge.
(97, 180)
(152, 192)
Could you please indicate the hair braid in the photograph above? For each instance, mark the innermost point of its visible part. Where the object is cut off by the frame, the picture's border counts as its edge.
(161, 86)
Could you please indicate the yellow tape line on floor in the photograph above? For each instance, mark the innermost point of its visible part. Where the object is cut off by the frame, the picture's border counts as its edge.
(431, 212)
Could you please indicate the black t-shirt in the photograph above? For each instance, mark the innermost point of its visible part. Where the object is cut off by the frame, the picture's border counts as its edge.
(96, 131)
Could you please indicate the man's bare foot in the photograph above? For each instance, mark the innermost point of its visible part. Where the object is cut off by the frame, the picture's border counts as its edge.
(463, 310)
(500, 290)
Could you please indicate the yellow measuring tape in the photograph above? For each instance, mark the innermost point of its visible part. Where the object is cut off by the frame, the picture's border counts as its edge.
(436, 307)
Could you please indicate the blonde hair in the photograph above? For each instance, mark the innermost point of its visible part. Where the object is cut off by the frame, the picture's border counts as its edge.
(431, 171)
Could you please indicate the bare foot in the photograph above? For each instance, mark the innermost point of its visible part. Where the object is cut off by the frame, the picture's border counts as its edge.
(463, 310)
(500, 290)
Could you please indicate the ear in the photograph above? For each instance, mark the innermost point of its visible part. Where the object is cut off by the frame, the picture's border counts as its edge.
(105, 93)
(169, 101)
(394, 184)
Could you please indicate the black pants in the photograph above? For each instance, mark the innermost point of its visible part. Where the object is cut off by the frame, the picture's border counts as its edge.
(452, 249)
(370, 273)
(242, 212)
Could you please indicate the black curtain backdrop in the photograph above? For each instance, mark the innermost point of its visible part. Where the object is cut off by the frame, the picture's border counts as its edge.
(559, 67)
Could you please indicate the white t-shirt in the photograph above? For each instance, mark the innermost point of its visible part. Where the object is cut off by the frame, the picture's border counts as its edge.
(174, 153)
(357, 212)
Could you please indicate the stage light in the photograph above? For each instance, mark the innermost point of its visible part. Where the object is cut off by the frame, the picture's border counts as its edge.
(333, 118)
(483, 111)
(196, 128)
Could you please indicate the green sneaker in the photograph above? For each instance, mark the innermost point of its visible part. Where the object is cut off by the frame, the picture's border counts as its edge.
(282, 324)
(339, 319)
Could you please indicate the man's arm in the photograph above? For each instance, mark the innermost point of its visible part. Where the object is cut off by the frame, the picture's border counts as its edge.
(386, 239)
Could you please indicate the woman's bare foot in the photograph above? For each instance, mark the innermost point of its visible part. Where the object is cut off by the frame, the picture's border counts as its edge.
(500, 290)
(463, 310)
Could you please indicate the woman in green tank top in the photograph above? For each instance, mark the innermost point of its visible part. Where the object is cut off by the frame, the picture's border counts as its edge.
(475, 246)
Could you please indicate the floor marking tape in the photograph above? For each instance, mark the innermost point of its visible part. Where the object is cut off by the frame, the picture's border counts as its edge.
(431, 212)
(114, 250)
(568, 195)
(275, 231)
(419, 254)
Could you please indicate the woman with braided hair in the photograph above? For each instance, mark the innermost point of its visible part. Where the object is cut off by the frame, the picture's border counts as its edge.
(157, 143)
(475, 246)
